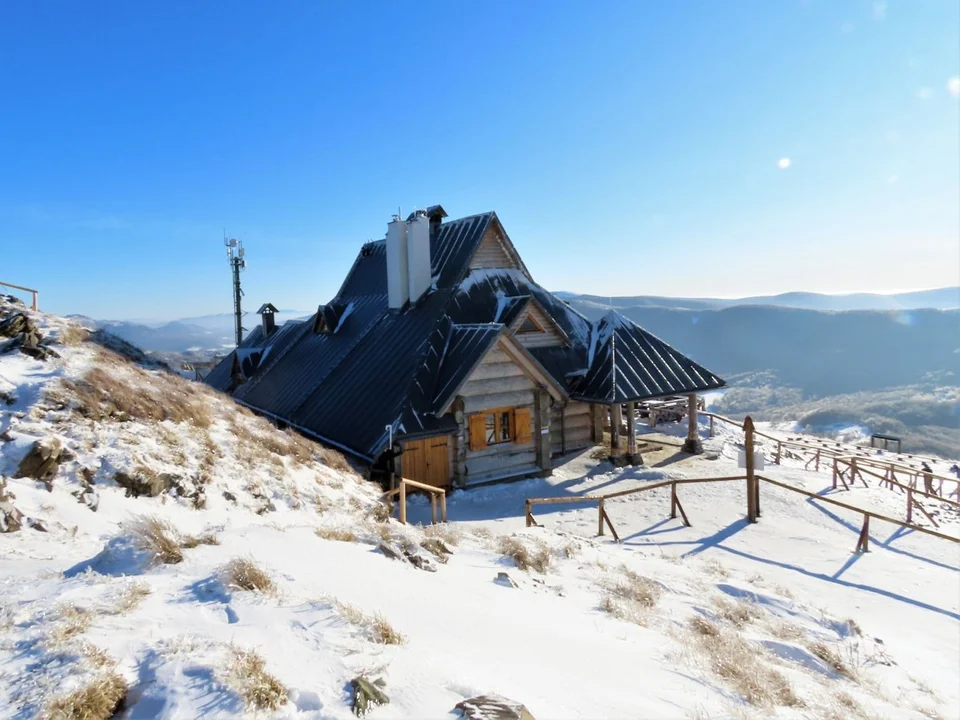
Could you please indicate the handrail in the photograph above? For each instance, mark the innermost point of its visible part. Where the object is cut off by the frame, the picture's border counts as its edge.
(35, 293)
(435, 494)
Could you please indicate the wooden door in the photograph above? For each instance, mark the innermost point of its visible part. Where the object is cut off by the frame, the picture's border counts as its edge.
(427, 461)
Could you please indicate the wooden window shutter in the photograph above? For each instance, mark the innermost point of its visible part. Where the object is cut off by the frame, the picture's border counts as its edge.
(478, 432)
(521, 417)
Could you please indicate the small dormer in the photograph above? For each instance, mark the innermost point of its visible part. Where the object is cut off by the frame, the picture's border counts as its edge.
(328, 318)
(535, 328)
(267, 313)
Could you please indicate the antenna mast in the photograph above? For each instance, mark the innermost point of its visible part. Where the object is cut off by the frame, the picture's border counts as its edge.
(235, 256)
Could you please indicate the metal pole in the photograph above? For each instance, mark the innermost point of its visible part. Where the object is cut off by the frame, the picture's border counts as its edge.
(237, 292)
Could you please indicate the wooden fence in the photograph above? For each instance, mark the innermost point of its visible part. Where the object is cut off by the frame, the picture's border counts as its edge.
(436, 494)
(34, 305)
(753, 501)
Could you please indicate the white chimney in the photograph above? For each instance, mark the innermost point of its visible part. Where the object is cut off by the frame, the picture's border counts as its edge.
(418, 255)
(398, 284)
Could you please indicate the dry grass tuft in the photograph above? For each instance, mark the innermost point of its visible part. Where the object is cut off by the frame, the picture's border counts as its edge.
(188, 542)
(532, 555)
(741, 665)
(336, 461)
(155, 536)
(701, 626)
(715, 568)
(245, 574)
(338, 534)
(381, 512)
(786, 630)
(135, 394)
(739, 612)
(833, 659)
(447, 533)
(71, 621)
(73, 335)
(630, 586)
(624, 610)
(100, 699)
(376, 626)
(130, 597)
(260, 689)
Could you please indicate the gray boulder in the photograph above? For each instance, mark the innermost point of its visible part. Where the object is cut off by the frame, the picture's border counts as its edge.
(367, 695)
(493, 707)
(42, 461)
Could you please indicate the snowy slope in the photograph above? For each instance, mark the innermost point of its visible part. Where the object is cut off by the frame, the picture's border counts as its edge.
(718, 620)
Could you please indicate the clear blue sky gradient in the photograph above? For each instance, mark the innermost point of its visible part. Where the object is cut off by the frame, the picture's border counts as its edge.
(629, 147)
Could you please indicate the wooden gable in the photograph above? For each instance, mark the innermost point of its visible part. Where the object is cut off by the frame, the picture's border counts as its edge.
(492, 251)
(535, 328)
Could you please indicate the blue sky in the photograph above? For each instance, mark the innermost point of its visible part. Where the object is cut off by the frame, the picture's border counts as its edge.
(628, 147)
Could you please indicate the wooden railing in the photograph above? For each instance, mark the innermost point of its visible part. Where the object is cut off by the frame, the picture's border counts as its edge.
(34, 305)
(753, 500)
(436, 494)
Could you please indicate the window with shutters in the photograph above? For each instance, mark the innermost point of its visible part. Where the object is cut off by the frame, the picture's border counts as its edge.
(500, 426)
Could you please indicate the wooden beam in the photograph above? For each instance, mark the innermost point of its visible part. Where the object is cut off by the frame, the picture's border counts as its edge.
(632, 428)
(616, 414)
(692, 444)
(748, 449)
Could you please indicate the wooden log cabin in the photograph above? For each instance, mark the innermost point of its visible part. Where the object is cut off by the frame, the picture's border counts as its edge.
(440, 340)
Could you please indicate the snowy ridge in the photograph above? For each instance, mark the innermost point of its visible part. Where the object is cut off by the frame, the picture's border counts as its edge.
(589, 629)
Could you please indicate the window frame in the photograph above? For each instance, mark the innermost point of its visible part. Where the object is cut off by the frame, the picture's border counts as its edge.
(497, 415)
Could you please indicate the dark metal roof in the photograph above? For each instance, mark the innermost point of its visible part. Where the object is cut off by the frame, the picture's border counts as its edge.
(626, 363)
(379, 367)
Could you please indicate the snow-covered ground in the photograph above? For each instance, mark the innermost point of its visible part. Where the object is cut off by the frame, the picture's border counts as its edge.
(719, 620)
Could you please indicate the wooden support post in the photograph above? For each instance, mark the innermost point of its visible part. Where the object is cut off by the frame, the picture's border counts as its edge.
(682, 513)
(541, 428)
(443, 507)
(751, 478)
(864, 540)
(818, 459)
(776, 460)
(403, 502)
(673, 500)
(836, 471)
(600, 517)
(711, 426)
(692, 444)
(606, 519)
(433, 508)
(527, 513)
(631, 428)
(909, 505)
(616, 418)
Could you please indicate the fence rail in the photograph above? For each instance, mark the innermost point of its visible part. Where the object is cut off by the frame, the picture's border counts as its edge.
(753, 500)
(34, 304)
(436, 495)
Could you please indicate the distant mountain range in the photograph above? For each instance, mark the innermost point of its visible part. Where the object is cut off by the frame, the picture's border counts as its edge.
(204, 335)
(938, 299)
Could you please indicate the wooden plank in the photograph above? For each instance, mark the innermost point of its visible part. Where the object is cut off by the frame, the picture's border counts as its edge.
(522, 398)
(473, 388)
(403, 502)
(488, 370)
(424, 486)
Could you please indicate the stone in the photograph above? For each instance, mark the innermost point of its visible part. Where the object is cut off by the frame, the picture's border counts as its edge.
(505, 580)
(420, 562)
(42, 461)
(36, 524)
(367, 695)
(390, 551)
(438, 548)
(11, 519)
(618, 460)
(227, 495)
(15, 325)
(493, 707)
(144, 482)
(634, 459)
(692, 446)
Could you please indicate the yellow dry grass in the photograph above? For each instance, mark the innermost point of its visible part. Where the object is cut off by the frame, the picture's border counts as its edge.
(529, 554)
(99, 699)
(244, 574)
(156, 537)
(260, 690)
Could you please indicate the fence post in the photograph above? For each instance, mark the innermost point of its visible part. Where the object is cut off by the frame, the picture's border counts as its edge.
(836, 469)
(776, 460)
(673, 500)
(863, 542)
(909, 505)
(403, 501)
(433, 508)
(600, 517)
(528, 513)
(711, 426)
(748, 444)
(443, 507)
